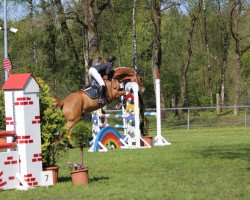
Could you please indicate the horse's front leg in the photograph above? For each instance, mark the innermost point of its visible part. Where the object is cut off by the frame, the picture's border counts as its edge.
(120, 93)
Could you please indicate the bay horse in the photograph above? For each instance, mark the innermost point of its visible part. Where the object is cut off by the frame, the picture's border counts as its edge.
(78, 103)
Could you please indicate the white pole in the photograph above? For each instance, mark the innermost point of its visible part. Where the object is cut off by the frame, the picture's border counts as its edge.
(158, 106)
(159, 140)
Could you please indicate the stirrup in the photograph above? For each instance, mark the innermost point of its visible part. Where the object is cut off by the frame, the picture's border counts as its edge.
(101, 101)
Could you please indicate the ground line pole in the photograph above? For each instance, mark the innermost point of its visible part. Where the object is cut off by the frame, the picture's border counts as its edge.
(245, 117)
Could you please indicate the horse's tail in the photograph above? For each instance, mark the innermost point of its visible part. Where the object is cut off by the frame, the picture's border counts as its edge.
(59, 103)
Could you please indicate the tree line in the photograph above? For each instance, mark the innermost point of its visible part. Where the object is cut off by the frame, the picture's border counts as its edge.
(201, 47)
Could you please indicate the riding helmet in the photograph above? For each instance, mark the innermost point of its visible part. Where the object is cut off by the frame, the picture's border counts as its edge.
(111, 58)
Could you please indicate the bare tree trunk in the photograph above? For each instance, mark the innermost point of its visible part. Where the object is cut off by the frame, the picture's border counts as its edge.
(31, 17)
(237, 84)
(157, 52)
(91, 11)
(209, 70)
(134, 36)
(218, 103)
(186, 66)
(235, 18)
(223, 14)
(223, 67)
(86, 53)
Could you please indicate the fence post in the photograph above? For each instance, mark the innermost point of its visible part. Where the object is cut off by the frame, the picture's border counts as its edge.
(245, 117)
(188, 120)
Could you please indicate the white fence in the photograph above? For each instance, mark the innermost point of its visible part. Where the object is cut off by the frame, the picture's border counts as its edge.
(201, 116)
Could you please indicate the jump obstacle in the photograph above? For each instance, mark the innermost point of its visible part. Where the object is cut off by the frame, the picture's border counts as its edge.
(104, 134)
(20, 155)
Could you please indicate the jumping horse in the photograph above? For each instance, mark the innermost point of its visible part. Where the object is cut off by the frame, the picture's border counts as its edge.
(78, 103)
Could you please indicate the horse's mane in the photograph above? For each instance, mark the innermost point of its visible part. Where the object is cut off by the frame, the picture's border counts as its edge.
(122, 72)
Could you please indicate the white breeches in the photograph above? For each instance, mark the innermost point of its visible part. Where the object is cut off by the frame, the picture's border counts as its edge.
(93, 73)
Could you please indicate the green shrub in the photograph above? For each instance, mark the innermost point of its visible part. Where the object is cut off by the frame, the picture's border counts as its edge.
(54, 140)
(81, 134)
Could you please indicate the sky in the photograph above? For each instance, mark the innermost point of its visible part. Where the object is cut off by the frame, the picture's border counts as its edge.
(16, 12)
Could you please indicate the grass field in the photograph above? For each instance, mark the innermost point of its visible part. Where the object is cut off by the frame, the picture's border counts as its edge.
(204, 163)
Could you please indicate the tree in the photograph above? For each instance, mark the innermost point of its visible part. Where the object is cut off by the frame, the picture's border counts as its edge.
(208, 63)
(87, 13)
(156, 51)
(223, 15)
(194, 16)
(236, 18)
(69, 40)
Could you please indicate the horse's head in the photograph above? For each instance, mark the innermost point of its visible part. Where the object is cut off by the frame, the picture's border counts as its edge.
(126, 74)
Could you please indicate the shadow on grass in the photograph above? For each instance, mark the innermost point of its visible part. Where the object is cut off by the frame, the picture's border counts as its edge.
(228, 152)
(96, 179)
(64, 179)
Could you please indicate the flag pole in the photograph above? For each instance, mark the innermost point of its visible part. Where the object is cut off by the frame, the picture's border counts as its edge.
(6, 74)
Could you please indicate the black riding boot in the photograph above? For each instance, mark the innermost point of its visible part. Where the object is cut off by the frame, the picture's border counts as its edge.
(102, 91)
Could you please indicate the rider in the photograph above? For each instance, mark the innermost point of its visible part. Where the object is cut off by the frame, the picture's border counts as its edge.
(98, 71)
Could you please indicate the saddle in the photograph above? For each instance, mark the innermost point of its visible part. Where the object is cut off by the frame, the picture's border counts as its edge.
(92, 90)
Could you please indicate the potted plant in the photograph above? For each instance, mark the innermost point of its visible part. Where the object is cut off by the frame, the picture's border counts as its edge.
(80, 136)
(53, 130)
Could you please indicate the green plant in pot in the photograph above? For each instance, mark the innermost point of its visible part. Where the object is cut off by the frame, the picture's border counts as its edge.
(80, 136)
(54, 140)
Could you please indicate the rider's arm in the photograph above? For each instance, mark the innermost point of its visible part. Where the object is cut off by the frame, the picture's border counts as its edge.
(109, 67)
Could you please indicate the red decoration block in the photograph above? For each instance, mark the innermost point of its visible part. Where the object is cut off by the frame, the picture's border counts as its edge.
(21, 99)
(3, 183)
(35, 183)
(26, 137)
(28, 175)
(14, 162)
(10, 158)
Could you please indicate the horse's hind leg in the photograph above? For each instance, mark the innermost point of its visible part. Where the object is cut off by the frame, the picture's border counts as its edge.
(70, 124)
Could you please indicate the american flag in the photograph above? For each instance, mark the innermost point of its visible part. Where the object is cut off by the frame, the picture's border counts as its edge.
(7, 64)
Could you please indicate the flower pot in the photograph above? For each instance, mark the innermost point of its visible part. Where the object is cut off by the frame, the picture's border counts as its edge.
(80, 177)
(54, 173)
(149, 140)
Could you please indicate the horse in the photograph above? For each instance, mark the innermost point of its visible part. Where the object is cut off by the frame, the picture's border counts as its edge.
(78, 103)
